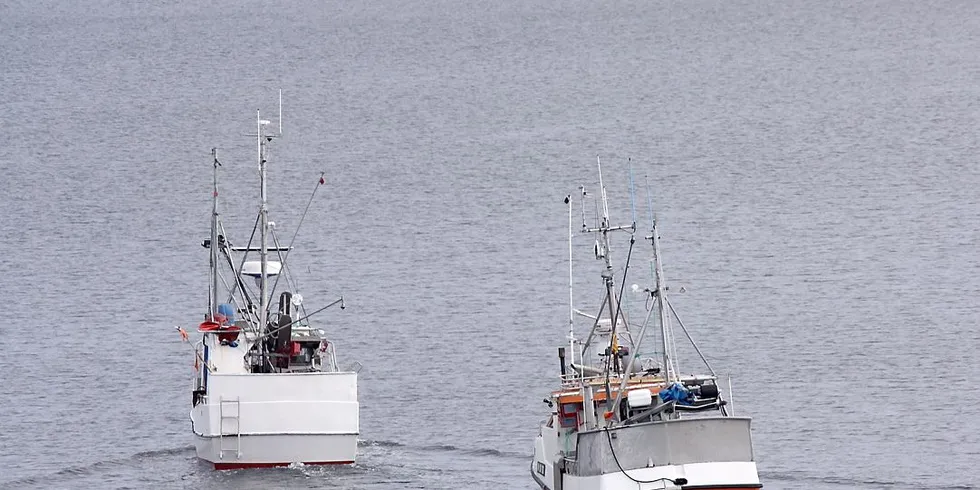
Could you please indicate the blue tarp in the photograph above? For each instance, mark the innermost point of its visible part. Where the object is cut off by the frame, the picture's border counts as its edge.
(676, 391)
(228, 312)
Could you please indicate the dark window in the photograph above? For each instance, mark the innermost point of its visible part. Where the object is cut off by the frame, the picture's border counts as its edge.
(569, 415)
(541, 468)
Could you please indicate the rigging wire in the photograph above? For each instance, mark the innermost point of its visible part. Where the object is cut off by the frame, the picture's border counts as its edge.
(241, 264)
(298, 226)
(290, 281)
(677, 481)
(689, 338)
(619, 299)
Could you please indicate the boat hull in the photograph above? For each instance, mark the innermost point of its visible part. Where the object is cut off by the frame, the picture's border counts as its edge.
(265, 451)
(701, 476)
(709, 453)
(262, 420)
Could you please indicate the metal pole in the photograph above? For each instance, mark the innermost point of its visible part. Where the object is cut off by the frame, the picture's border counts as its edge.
(571, 296)
(629, 366)
(213, 297)
(731, 397)
(263, 229)
(662, 303)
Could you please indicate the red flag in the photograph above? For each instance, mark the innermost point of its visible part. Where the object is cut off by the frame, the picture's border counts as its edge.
(322, 181)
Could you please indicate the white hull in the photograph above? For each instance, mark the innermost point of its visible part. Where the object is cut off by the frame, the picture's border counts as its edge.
(256, 451)
(260, 420)
(720, 476)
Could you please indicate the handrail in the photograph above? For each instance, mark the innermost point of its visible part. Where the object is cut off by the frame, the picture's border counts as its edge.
(651, 412)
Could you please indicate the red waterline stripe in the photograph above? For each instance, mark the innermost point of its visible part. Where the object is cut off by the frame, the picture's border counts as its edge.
(242, 466)
(721, 487)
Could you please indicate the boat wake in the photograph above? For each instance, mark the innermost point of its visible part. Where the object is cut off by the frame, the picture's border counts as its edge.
(162, 452)
(490, 452)
(476, 451)
(391, 461)
(370, 443)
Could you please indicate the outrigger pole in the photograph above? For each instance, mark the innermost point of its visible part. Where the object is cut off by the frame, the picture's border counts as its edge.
(213, 293)
(571, 296)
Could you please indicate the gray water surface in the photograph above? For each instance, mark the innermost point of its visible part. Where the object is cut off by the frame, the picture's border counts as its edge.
(812, 164)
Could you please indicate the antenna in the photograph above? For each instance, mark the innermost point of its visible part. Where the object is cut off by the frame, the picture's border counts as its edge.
(280, 112)
(602, 192)
(646, 182)
(632, 190)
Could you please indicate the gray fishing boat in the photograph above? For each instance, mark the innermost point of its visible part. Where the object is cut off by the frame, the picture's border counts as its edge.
(625, 420)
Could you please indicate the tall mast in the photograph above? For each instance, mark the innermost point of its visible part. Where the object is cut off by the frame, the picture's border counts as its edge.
(213, 296)
(261, 141)
(607, 277)
(662, 303)
(571, 296)
(264, 227)
(604, 230)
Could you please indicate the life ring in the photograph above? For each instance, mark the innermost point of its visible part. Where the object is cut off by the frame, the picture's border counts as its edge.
(226, 333)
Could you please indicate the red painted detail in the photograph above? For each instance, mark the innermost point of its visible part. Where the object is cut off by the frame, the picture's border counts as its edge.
(569, 414)
(227, 332)
(721, 487)
(243, 466)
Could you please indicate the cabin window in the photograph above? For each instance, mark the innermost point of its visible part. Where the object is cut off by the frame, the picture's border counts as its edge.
(541, 468)
(569, 414)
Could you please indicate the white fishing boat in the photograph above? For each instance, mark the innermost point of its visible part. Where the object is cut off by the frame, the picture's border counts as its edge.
(268, 391)
(622, 419)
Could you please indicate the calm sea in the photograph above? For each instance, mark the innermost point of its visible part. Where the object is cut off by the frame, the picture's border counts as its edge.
(813, 165)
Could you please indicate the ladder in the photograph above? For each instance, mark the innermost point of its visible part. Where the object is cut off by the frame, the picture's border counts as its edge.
(229, 410)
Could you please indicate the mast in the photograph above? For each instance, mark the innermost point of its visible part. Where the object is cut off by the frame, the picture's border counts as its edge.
(213, 296)
(261, 141)
(571, 296)
(661, 302)
(611, 298)
(264, 228)
(607, 275)
(602, 251)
